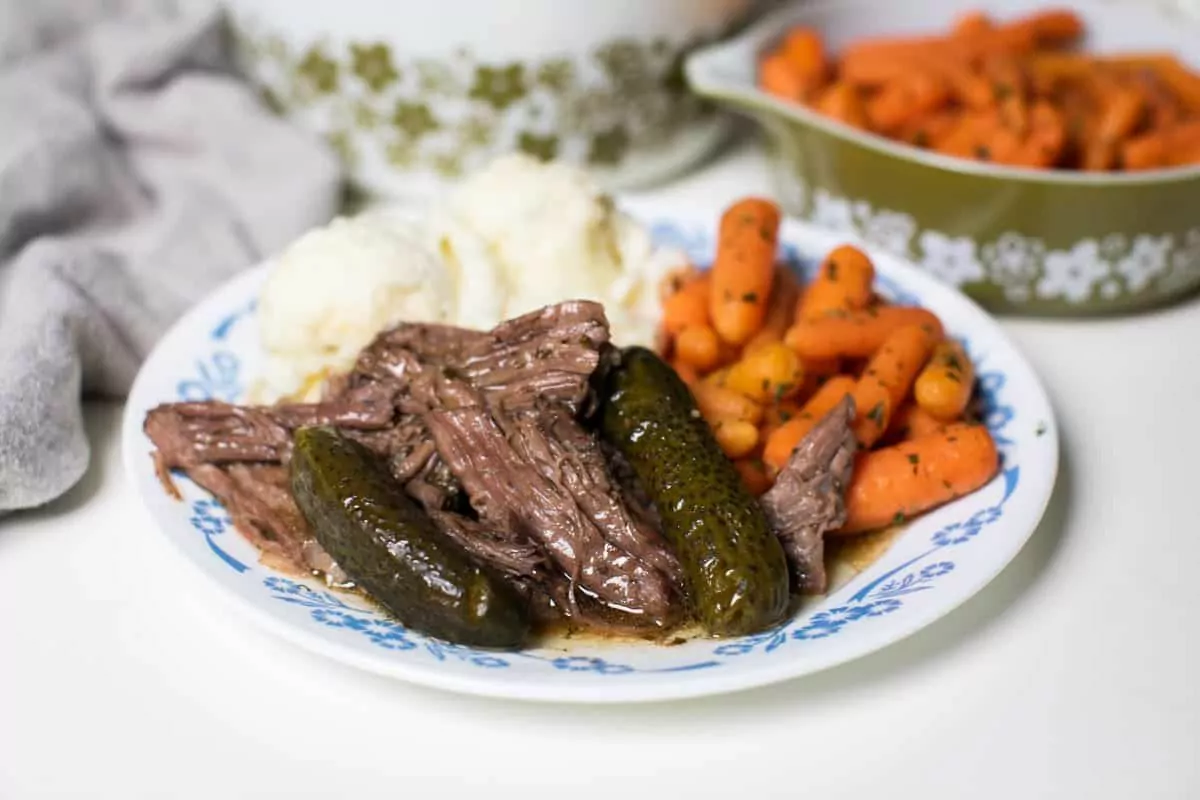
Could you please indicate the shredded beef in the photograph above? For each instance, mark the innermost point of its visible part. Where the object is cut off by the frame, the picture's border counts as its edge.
(808, 498)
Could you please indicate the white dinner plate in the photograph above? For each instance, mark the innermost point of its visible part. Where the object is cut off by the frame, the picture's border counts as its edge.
(940, 559)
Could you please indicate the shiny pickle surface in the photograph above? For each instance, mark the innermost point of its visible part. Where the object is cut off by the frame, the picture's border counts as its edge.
(736, 571)
(387, 545)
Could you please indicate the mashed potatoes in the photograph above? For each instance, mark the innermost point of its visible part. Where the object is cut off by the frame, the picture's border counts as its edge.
(334, 288)
(513, 238)
(541, 233)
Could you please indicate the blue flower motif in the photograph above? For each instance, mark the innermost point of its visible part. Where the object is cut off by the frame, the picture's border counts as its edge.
(809, 632)
(215, 380)
(209, 526)
(746, 644)
(585, 664)
(937, 570)
(878, 608)
(390, 638)
(835, 617)
(283, 585)
(996, 417)
(991, 382)
(985, 516)
(335, 618)
(955, 533)
(488, 662)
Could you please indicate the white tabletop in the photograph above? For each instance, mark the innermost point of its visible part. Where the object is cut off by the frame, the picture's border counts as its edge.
(1073, 675)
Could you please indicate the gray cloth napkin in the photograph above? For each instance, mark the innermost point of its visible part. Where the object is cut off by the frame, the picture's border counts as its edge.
(137, 172)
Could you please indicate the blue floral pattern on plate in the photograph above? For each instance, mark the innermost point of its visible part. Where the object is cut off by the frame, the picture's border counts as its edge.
(218, 377)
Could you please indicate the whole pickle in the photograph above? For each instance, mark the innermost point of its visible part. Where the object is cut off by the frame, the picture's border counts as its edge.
(389, 546)
(735, 567)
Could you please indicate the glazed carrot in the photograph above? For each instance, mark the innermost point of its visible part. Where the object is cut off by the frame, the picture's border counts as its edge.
(698, 346)
(856, 334)
(894, 483)
(904, 99)
(972, 23)
(913, 422)
(686, 372)
(805, 51)
(1157, 149)
(769, 374)
(744, 269)
(688, 306)
(843, 283)
(754, 475)
(944, 386)
(721, 403)
(780, 309)
(777, 76)
(887, 379)
(736, 437)
(931, 129)
(1051, 27)
(841, 101)
(778, 414)
(784, 439)
(1121, 112)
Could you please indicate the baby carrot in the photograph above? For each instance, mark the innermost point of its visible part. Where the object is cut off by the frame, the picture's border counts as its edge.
(894, 483)
(736, 437)
(904, 99)
(886, 380)
(778, 77)
(754, 475)
(744, 269)
(1051, 27)
(769, 374)
(944, 387)
(972, 23)
(686, 372)
(780, 308)
(778, 414)
(841, 101)
(688, 306)
(698, 346)
(856, 334)
(720, 403)
(842, 284)
(784, 439)
(913, 422)
(805, 51)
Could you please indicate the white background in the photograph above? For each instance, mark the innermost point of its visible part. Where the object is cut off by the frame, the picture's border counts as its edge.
(1073, 675)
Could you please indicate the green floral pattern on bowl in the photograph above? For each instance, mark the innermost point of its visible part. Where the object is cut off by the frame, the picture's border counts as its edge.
(452, 115)
(1016, 240)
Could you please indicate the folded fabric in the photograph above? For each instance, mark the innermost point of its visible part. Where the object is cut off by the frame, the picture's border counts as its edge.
(138, 171)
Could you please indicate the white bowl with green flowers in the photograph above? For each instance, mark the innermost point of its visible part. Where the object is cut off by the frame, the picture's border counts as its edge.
(414, 94)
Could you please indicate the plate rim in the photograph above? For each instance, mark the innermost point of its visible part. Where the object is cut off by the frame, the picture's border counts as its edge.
(644, 687)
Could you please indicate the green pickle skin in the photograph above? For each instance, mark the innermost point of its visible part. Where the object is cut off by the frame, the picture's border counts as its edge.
(387, 545)
(735, 567)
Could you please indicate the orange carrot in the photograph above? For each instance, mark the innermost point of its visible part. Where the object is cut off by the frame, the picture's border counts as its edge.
(754, 475)
(972, 23)
(886, 380)
(784, 439)
(892, 484)
(1157, 149)
(842, 284)
(686, 372)
(777, 76)
(805, 51)
(780, 309)
(720, 403)
(841, 101)
(944, 386)
(905, 99)
(688, 306)
(744, 269)
(736, 437)
(913, 422)
(1122, 111)
(856, 334)
(769, 374)
(1051, 27)
(778, 414)
(698, 346)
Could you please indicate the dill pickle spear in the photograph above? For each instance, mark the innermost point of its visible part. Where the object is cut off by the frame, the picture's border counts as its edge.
(387, 545)
(735, 567)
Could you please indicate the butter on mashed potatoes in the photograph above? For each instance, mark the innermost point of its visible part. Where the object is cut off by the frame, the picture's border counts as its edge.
(517, 236)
